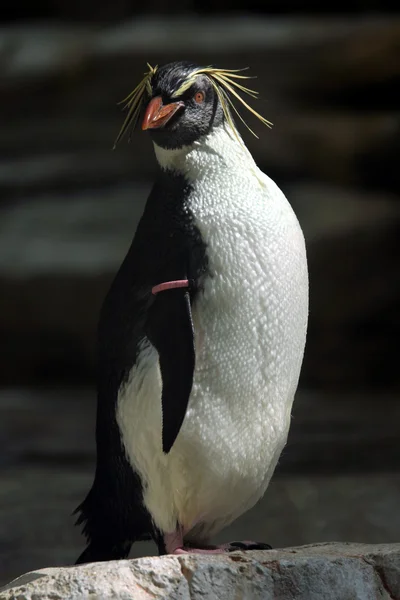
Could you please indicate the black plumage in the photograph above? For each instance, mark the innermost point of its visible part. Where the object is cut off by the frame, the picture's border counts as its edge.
(167, 246)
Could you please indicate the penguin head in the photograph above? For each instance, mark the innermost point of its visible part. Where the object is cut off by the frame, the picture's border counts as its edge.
(182, 108)
(183, 102)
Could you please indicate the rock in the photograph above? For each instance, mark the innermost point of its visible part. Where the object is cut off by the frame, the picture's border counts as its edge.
(329, 571)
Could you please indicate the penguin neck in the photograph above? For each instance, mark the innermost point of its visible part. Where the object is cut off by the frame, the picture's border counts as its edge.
(219, 150)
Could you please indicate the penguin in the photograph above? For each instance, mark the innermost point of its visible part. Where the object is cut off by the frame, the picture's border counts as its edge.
(202, 333)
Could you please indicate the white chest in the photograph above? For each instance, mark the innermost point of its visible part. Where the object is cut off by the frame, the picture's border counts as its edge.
(250, 325)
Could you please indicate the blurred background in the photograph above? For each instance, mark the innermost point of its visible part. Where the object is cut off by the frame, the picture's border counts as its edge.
(69, 207)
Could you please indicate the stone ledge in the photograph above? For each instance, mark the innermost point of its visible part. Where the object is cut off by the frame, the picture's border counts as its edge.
(329, 571)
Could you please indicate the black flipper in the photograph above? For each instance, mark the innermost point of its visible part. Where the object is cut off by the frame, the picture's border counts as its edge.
(170, 329)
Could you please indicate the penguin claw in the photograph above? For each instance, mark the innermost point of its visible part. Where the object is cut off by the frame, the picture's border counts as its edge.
(246, 545)
(224, 548)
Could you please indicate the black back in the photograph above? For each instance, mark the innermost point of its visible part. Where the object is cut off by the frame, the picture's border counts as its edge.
(167, 246)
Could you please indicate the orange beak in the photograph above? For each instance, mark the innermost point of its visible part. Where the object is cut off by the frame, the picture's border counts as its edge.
(157, 114)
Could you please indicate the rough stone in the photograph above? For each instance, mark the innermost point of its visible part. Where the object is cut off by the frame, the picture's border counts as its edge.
(323, 571)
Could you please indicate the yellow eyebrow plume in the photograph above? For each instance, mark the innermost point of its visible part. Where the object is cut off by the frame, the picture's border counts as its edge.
(134, 103)
(224, 82)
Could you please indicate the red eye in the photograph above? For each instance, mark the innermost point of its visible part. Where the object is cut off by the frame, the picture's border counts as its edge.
(199, 97)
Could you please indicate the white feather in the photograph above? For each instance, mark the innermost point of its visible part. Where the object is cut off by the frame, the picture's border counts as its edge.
(250, 329)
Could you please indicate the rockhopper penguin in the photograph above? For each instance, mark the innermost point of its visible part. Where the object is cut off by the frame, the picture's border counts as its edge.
(201, 336)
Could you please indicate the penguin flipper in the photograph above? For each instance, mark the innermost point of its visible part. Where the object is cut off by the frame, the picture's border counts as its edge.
(170, 329)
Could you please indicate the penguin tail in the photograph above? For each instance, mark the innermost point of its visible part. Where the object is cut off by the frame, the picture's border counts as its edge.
(109, 533)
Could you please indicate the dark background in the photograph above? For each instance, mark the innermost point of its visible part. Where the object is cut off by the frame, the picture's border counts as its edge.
(69, 206)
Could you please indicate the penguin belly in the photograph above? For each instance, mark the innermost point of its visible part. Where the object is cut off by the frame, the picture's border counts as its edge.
(250, 321)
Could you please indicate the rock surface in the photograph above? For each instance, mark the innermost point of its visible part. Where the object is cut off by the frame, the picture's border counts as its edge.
(323, 571)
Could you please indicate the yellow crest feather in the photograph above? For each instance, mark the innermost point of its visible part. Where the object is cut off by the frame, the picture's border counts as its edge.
(134, 102)
(224, 82)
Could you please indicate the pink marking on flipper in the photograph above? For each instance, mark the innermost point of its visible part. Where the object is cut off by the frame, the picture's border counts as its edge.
(170, 285)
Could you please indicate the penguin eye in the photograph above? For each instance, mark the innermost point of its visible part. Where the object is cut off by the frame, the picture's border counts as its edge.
(199, 97)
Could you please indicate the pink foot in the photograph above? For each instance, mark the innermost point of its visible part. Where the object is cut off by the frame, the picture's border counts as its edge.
(174, 545)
